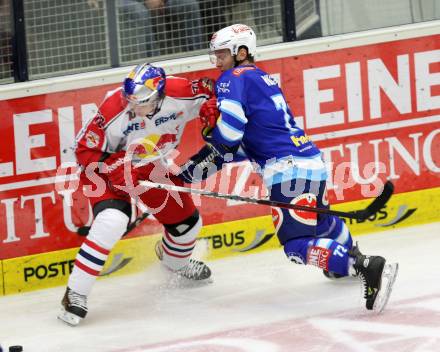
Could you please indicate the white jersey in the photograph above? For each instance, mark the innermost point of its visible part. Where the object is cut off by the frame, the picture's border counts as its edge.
(115, 127)
(152, 138)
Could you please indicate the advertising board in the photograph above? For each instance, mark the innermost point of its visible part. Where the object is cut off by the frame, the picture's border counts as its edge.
(374, 110)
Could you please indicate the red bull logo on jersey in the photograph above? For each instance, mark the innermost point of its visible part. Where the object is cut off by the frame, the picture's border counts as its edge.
(304, 217)
(152, 144)
(92, 139)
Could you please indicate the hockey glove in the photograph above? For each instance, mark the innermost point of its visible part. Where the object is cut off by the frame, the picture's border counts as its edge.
(206, 162)
(120, 173)
(209, 114)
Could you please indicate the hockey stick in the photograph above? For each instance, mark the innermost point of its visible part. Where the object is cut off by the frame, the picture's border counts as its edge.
(84, 230)
(363, 214)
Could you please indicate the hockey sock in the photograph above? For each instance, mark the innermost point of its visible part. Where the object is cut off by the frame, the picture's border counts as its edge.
(333, 227)
(106, 230)
(178, 246)
(176, 251)
(324, 253)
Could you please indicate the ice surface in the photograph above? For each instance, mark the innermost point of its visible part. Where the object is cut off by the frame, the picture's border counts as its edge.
(258, 302)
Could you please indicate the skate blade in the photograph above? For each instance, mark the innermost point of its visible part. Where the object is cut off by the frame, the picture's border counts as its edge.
(389, 275)
(69, 318)
(158, 250)
(179, 281)
(172, 279)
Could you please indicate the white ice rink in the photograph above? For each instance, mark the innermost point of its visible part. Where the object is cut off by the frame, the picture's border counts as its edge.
(257, 303)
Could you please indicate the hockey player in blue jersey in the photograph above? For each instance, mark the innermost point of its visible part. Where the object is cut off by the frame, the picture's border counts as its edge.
(253, 120)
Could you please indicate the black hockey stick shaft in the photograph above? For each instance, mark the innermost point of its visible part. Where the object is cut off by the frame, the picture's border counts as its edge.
(84, 230)
(363, 214)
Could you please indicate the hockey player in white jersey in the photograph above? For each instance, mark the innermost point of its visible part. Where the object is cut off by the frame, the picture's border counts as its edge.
(254, 120)
(145, 118)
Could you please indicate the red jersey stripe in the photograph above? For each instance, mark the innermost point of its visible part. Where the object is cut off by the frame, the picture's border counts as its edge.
(96, 247)
(85, 268)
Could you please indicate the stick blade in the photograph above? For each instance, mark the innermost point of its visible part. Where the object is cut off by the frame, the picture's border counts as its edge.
(378, 203)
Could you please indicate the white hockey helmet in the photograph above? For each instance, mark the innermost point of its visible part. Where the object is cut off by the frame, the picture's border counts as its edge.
(232, 38)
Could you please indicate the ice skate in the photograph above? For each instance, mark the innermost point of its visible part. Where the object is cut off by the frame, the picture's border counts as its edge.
(74, 307)
(377, 278)
(195, 270)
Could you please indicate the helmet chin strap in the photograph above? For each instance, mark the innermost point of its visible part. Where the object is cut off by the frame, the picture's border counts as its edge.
(157, 109)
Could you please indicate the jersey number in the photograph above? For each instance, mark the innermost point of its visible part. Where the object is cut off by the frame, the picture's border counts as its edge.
(280, 104)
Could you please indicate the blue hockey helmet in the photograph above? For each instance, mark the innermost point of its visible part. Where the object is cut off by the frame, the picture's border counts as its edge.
(145, 84)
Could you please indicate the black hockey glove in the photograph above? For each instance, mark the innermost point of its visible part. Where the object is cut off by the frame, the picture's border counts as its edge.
(206, 162)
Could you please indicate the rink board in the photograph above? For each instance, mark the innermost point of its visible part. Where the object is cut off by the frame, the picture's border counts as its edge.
(216, 241)
(403, 209)
(366, 99)
(132, 255)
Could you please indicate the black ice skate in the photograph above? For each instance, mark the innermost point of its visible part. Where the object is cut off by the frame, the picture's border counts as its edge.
(195, 270)
(74, 307)
(376, 276)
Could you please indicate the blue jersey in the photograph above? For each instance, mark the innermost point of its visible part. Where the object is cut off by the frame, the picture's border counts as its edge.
(255, 115)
